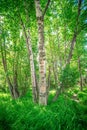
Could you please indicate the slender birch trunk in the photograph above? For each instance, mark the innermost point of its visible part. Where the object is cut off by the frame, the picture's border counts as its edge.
(31, 59)
(32, 67)
(42, 60)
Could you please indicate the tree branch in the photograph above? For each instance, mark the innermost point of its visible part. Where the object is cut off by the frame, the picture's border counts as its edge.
(46, 7)
(75, 33)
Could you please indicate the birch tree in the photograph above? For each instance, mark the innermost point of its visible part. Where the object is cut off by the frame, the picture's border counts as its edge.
(42, 59)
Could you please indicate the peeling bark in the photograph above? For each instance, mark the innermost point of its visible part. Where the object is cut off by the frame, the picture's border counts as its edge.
(42, 60)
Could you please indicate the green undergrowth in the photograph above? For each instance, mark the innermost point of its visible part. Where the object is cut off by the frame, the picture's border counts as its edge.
(76, 94)
(22, 114)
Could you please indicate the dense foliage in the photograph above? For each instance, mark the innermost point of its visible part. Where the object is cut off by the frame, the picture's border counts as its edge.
(43, 64)
(64, 114)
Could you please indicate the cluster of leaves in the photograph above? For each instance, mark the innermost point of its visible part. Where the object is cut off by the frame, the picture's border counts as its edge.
(69, 77)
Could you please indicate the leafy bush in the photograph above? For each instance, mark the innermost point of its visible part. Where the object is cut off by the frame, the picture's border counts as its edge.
(69, 77)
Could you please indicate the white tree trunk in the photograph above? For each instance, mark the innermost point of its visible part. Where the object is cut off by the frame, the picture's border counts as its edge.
(31, 59)
(32, 67)
(42, 66)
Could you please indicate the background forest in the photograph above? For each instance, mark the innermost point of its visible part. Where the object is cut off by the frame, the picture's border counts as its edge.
(43, 64)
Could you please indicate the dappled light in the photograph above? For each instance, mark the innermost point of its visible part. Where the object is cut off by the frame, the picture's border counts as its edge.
(43, 64)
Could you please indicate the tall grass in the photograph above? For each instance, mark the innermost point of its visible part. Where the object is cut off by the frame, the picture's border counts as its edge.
(22, 114)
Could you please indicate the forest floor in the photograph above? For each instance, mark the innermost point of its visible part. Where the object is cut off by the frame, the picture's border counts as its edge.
(69, 112)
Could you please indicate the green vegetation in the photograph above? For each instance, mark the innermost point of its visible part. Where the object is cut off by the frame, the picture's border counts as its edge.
(43, 64)
(64, 114)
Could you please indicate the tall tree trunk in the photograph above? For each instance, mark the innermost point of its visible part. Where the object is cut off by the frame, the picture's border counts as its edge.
(71, 48)
(10, 86)
(31, 59)
(65, 55)
(75, 33)
(80, 74)
(33, 73)
(73, 41)
(42, 60)
(48, 80)
(55, 73)
(3, 53)
(15, 75)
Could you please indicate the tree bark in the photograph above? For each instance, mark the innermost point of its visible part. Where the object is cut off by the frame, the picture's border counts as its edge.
(48, 80)
(42, 60)
(3, 53)
(73, 41)
(71, 48)
(58, 92)
(80, 74)
(55, 73)
(15, 75)
(75, 33)
(31, 59)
